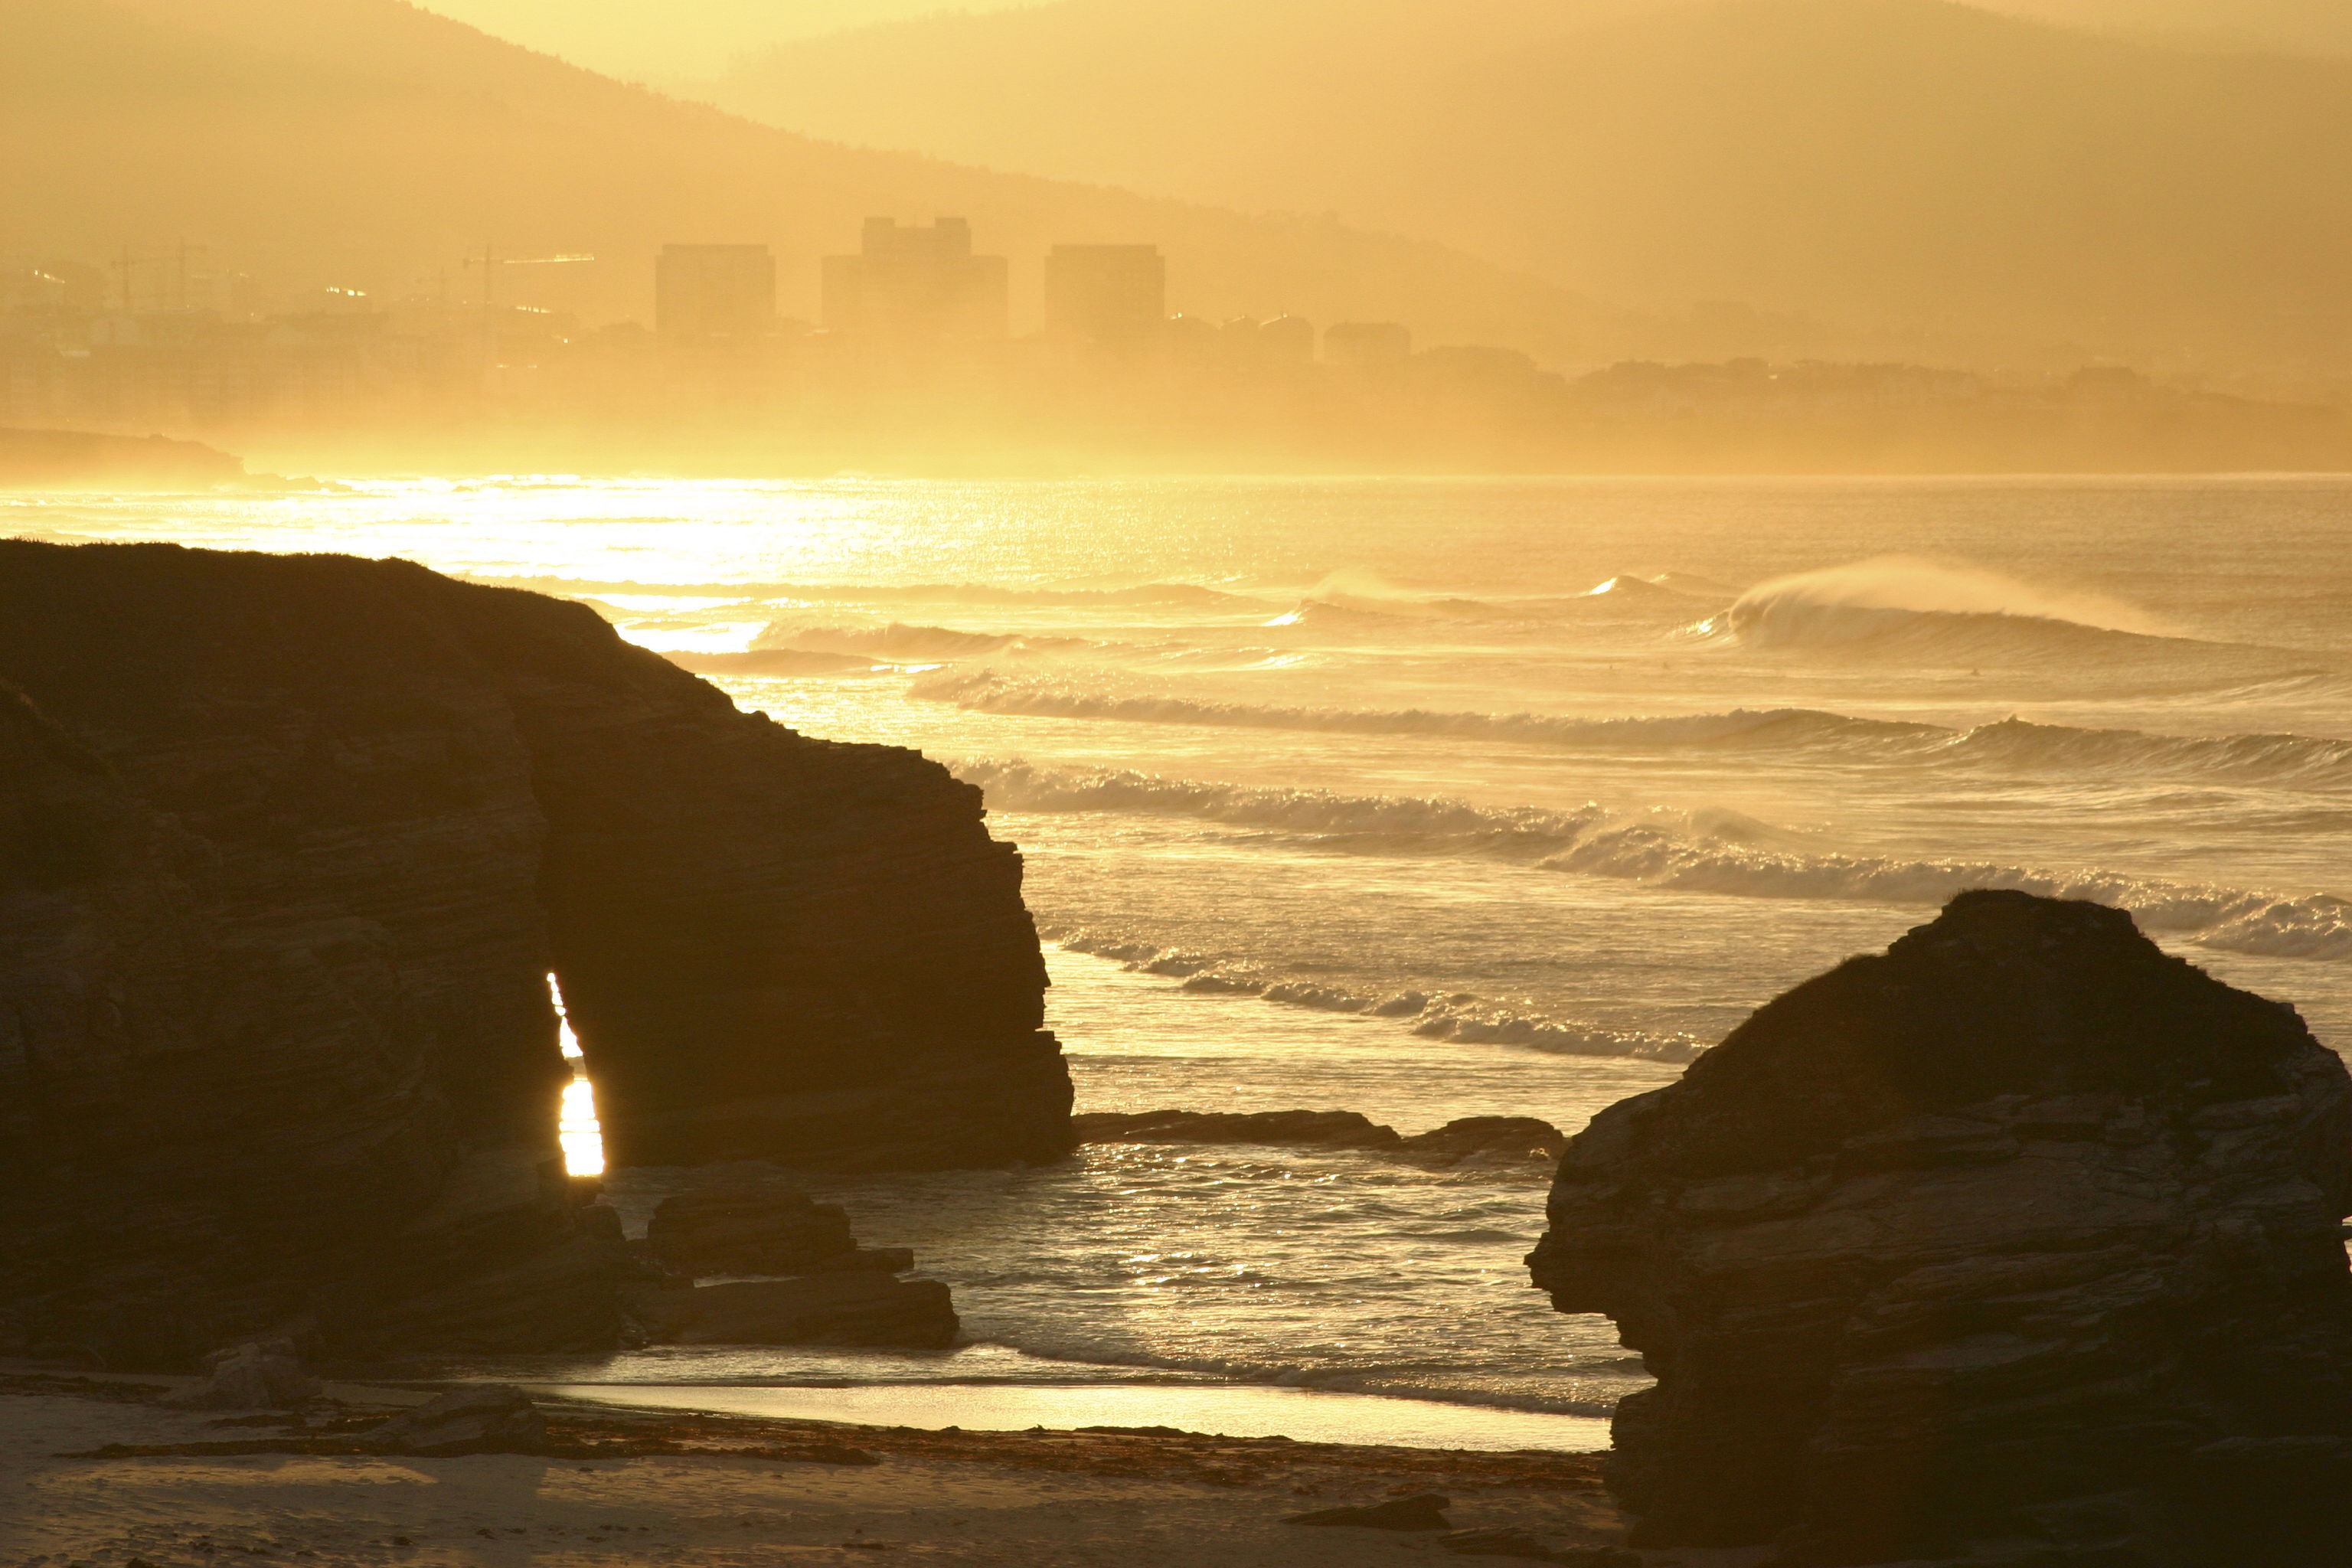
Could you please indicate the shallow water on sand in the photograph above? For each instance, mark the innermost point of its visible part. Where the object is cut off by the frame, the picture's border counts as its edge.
(1227, 1410)
(1434, 798)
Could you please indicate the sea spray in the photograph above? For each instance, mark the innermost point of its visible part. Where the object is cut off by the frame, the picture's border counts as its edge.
(1915, 584)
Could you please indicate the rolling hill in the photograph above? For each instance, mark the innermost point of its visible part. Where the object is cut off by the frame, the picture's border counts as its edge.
(1917, 169)
(369, 144)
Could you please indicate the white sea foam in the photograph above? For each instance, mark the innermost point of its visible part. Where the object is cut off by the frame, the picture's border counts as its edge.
(1725, 855)
(1600, 1387)
(2011, 744)
(1365, 593)
(1454, 1015)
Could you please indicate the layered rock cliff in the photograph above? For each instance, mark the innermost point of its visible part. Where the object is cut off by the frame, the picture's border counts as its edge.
(2017, 1244)
(293, 844)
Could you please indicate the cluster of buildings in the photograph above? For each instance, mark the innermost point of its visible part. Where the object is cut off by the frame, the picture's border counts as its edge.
(912, 358)
(111, 346)
(921, 290)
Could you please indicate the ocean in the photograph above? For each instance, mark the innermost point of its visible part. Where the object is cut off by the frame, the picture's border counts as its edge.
(1431, 798)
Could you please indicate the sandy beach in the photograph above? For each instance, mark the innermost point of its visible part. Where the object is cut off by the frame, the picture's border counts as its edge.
(1038, 1499)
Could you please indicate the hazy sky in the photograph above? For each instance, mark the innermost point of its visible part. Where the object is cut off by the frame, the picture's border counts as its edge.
(672, 40)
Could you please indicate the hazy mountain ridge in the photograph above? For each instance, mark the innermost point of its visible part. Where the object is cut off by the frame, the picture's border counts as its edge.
(2301, 26)
(371, 143)
(1917, 167)
(666, 40)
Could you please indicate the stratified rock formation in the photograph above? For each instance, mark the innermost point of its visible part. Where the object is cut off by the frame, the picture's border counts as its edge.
(2018, 1243)
(288, 847)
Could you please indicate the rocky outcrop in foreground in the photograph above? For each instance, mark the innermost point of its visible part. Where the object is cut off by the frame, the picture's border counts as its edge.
(835, 1291)
(2016, 1244)
(862, 1309)
(288, 847)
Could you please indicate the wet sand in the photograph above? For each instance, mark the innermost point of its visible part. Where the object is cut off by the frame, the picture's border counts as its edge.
(634, 1486)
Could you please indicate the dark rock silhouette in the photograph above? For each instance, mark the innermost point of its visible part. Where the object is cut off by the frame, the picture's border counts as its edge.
(849, 1308)
(1488, 1140)
(289, 846)
(1311, 1128)
(493, 1418)
(1472, 1140)
(749, 1226)
(2019, 1243)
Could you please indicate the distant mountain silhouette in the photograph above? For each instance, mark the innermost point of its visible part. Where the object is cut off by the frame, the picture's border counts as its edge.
(369, 144)
(1909, 167)
(662, 40)
(667, 41)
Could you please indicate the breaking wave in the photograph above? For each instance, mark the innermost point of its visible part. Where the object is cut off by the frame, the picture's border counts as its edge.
(1367, 593)
(1452, 1015)
(1600, 1384)
(2012, 744)
(1348, 603)
(1721, 853)
(900, 641)
(1925, 613)
(1909, 583)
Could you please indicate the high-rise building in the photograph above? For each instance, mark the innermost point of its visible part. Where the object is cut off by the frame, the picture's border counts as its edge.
(916, 286)
(1115, 294)
(1358, 344)
(714, 291)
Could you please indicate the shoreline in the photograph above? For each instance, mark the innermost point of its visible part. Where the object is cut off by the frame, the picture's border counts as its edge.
(94, 1469)
(1332, 1418)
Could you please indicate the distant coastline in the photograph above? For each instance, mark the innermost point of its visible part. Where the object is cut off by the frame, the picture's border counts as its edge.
(76, 460)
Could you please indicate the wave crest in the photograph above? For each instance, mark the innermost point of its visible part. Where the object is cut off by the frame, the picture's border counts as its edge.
(1923, 611)
(1456, 1016)
(1711, 853)
(2009, 744)
(1911, 584)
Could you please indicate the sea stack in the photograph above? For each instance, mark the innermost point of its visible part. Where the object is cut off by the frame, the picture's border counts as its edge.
(291, 847)
(2017, 1244)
